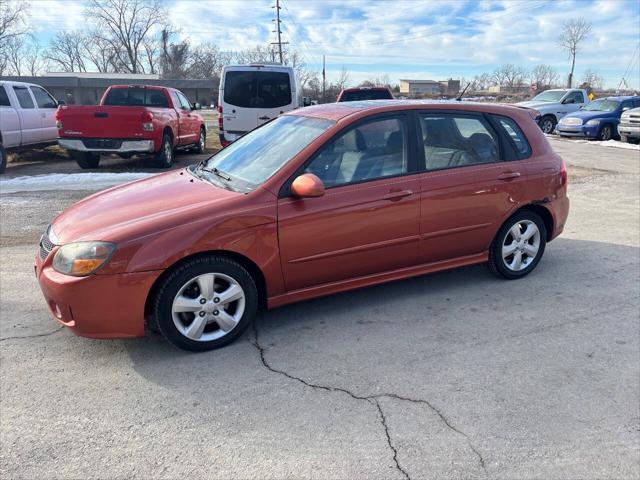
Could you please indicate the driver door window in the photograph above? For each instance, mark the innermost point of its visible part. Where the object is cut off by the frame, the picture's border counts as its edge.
(374, 150)
(577, 97)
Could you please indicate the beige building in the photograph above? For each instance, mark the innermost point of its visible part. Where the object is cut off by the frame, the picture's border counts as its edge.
(418, 87)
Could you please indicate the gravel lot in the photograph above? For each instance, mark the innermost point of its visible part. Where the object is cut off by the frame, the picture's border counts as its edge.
(453, 375)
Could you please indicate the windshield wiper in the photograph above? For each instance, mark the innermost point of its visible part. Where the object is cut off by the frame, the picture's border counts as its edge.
(220, 173)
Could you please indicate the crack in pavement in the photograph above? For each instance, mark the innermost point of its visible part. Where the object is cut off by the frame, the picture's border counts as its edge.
(61, 327)
(371, 399)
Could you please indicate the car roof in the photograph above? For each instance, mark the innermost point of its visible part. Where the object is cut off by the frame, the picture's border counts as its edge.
(338, 111)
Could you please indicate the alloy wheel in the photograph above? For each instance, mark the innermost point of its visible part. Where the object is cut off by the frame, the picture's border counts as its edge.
(547, 126)
(208, 307)
(521, 245)
(168, 151)
(605, 133)
(202, 141)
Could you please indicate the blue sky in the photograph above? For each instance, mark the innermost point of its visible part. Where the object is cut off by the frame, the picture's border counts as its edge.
(434, 39)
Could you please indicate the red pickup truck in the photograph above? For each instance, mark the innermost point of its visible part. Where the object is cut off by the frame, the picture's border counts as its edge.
(131, 120)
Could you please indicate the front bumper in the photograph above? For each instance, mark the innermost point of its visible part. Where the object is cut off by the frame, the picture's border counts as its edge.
(97, 306)
(627, 130)
(584, 131)
(126, 146)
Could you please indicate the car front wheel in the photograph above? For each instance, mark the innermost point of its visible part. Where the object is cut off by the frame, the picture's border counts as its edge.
(518, 246)
(605, 133)
(205, 303)
(547, 124)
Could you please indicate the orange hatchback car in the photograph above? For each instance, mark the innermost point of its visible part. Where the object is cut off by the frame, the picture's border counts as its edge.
(320, 200)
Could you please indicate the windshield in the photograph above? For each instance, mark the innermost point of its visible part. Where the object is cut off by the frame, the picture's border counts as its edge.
(602, 106)
(365, 95)
(253, 158)
(136, 97)
(255, 89)
(549, 96)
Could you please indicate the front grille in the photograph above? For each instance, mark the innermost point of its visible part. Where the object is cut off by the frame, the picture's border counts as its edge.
(45, 245)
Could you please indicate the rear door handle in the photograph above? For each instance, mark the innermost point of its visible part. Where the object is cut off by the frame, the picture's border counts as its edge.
(397, 195)
(508, 176)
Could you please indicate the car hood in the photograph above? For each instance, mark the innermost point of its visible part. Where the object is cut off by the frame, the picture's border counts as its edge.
(591, 115)
(134, 209)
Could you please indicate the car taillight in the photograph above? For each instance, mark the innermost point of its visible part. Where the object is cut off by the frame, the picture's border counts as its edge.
(220, 118)
(147, 121)
(563, 174)
(58, 120)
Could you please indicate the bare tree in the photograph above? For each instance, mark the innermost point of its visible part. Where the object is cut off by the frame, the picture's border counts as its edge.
(574, 31)
(543, 76)
(66, 51)
(14, 49)
(207, 61)
(260, 53)
(481, 82)
(509, 75)
(174, 57)
(125, 25)
(592, 79)
(99, 52)
(343, 78)
(13, 24)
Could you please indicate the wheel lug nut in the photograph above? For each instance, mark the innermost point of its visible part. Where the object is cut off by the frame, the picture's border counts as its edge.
(202, 314)
(216, 312)
(203, 301)
(216, 300)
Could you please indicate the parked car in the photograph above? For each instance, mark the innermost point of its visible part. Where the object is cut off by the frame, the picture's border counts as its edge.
(598, 120)
(27, 118)
(132, 119)
(318, 201)
(555, 104)
(629, 126)
(364, 93)
(253, 94)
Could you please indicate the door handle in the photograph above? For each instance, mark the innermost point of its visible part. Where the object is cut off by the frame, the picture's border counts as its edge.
(263, 118)
(397, 195)
(508, 176)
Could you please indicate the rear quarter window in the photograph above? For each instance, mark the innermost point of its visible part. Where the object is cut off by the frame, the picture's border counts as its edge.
(4, 98)
(515, 136)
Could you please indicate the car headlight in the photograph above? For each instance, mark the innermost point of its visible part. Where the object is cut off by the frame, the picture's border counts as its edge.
(82, 258)
(593, 122)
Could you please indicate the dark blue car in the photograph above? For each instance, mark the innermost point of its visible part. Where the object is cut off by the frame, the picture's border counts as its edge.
(598, 119)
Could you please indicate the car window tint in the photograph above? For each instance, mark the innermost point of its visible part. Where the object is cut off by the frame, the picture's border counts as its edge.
(43, 99)
(626, 104)
(4, 98)
(578, 97)
(136, 97)
(356, 96)
(519, 140)
(24, 97)
(456, 141)
(185, 103)
(253, 89)
(376, 149)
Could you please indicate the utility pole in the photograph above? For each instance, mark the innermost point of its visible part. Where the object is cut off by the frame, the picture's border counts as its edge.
(278, 31)
(324, 77)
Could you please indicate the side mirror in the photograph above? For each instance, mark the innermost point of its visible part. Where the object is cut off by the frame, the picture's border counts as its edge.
(624, 109)
(307, 185)
(196, 106)
(61, 102)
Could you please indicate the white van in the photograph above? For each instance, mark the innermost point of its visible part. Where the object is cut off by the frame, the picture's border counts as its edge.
(253, 94)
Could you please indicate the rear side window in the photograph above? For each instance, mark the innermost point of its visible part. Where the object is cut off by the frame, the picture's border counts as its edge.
(452, 140)
(132, 97)
(24, 97)
(366, 95)
(4, 98)
(43, 99)
(522, 147)
(254, 89)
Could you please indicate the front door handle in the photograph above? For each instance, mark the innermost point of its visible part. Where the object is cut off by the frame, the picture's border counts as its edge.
(508, 176)
(397, 195)
(263, 118)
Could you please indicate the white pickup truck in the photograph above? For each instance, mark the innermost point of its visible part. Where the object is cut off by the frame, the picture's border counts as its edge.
(555, 104)
(27, 118)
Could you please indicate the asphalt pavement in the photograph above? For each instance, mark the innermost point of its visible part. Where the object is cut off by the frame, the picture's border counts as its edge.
(452, 375)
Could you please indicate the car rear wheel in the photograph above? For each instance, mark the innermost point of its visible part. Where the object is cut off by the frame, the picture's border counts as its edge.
(518, 246)
(605, 133)
(202, 141)
(547, 124)
(3, 159)
(87, 159)
(164, 157)
(205, 303)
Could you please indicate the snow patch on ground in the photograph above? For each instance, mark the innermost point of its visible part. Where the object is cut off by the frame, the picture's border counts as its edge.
(68, 181)
(608, 143)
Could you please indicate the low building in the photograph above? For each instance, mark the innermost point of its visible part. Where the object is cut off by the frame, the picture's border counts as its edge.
(506, 89)
(86, 88)
(429, 87)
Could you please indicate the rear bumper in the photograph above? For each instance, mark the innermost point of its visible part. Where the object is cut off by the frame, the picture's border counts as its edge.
(127, 146)
(97, 306)
(559, 209)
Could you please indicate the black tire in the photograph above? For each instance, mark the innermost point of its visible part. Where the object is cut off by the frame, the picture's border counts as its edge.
(547, 124)
(87, 159)
(626, 139)
(497, 264)
(3, 159)
(163, 321)
(164, 158)
(202, 141)
(605, 133)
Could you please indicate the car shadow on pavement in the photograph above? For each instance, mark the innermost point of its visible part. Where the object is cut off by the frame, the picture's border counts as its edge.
(421, 315)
